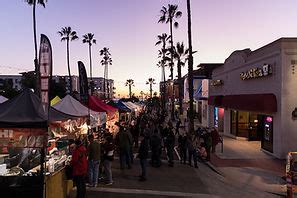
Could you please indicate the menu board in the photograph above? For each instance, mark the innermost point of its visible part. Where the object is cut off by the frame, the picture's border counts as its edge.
(22, 137)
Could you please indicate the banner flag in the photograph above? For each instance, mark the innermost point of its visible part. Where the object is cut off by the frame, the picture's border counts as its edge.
(83, 83)
(45, 69)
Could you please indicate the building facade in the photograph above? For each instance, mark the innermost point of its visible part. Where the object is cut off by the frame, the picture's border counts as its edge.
(14, 81)
(252, 96)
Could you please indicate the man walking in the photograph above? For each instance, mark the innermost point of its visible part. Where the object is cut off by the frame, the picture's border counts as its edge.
(94, 155)
(143, 155)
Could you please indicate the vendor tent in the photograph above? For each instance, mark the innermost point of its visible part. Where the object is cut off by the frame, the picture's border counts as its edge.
(25, 110)
(122, 107)
(127, 104)
(71, 106)
(3, 99)
(98, 105)
(55, 100)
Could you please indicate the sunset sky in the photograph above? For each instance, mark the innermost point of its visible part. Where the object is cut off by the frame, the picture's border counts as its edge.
(129, 28)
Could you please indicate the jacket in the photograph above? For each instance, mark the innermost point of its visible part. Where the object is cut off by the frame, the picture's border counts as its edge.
(143, 149)
(79, 161)
(94, 151)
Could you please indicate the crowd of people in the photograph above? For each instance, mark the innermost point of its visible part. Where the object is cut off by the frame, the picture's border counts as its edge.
(150, 137)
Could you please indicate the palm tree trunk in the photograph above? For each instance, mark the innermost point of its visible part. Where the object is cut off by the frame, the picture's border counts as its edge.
(107, 82)
(91, 82)
(171, 71)
(68, 64)
(190, 71)
(90, 55)
(104, 82)
(36, 65)
(180, 100)
(130, 90)
(151, 90)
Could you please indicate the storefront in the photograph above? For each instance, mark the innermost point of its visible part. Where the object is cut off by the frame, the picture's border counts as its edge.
(252, 95)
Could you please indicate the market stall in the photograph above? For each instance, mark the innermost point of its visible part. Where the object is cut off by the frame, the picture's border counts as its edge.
(71, 106)
(23, 149)
(112, 113)
(124, 111)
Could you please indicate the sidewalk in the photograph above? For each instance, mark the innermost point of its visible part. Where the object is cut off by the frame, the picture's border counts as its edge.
(244, 162)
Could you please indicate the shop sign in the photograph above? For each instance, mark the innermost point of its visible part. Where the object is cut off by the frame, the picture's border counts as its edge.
(22, 137)
(257, 72)
(216, 82)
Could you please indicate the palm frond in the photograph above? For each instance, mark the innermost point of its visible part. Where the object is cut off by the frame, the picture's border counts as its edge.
(75, 37)
(175, 24)
(178, 14)
(158, 42)
(162, 19)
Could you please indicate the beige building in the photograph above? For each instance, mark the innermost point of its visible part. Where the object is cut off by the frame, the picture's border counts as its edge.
(253, 96)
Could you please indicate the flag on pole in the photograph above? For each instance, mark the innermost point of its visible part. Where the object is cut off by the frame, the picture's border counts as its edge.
(45, 69)
(83, 83)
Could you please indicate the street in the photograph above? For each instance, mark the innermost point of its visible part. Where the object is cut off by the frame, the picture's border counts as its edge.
(179, 181)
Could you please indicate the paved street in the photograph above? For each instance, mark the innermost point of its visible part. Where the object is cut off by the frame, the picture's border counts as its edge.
(180, 181)
(241, 170)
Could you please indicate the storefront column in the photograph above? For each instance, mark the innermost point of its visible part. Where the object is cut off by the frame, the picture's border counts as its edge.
(210, 116)
(227, 120)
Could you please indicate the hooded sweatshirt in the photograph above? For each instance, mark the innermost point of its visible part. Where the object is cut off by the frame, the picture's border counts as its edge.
(79, 161)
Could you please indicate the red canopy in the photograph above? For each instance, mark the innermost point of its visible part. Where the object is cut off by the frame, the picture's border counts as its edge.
(98, 105)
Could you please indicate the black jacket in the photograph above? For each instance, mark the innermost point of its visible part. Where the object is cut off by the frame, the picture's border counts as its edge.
(143, 149)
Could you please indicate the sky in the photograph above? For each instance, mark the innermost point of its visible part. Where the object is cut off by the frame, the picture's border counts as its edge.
(129, 29)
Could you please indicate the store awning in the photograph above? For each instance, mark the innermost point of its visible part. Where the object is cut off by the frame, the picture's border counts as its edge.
(251, 102)
(215, 100)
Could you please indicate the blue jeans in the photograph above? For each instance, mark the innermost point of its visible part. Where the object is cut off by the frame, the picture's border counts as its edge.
(93, 172)
(107, 170)
(143, 164)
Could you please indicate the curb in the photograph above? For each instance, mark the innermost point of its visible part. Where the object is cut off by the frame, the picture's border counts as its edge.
(212, 167)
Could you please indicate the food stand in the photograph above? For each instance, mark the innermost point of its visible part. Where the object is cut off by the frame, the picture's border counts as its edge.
(25, 169)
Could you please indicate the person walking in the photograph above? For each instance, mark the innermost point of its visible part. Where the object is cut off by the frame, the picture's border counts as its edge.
(123, 142)
(208, 143)
(156, 148)
(94, 155)
(182, 143)
(108, 155)
(80, 169)
(215, 137)
(170, 141)
(143, 155)
(177, 126)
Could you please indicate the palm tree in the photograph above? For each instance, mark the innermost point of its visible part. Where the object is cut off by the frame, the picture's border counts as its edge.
(180, 55)
(106, 60)
(169, 15)
(33, 3)
(67, 34)
(151, 81)
(164, 56)
(89, 38)
(130, 83)
(190, 70)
